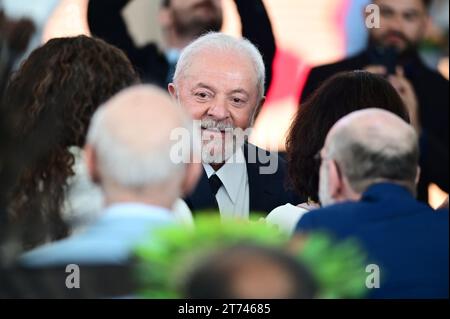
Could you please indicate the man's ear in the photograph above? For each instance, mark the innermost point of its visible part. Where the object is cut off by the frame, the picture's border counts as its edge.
(90, 159)
(191, 178)
(172, 91)
(336, 183)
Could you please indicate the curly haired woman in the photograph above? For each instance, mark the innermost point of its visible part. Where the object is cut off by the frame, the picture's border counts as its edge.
(49, 102)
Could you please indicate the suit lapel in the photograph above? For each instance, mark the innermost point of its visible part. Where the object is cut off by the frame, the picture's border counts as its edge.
(259, 190)
(261, 195)
(202, 198)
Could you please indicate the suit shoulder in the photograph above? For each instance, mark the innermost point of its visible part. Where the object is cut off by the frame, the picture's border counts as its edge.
(258, 150)
(262, 156)
(442, 215)
(436, 79)
(336, 212)
(319, 74)
(352, 63)
(150, 51)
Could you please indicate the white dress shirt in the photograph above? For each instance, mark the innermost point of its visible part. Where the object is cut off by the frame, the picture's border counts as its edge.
(286, 217)
(233, 196)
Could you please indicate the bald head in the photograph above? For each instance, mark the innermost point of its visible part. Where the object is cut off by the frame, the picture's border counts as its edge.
(130, 136)
(248, 271)
(374, 145)
(380, 130)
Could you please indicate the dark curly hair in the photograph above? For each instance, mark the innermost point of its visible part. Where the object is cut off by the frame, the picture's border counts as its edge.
(338, 96)
(49, 103)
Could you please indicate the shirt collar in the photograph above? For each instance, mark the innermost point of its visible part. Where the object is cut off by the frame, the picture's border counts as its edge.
(386, 190)
(234, 169)
(137, 210)
(172, 55)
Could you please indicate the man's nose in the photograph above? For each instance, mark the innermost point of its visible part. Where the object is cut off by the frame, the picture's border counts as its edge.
(219, 110)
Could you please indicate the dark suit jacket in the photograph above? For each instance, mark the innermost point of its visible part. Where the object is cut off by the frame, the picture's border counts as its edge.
(266, 191)
(432, 92)
(405, 238)
(105, 21)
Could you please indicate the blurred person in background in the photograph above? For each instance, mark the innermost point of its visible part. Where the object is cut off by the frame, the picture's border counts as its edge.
(37, 14)
(49, 103)
(248, 271)
(338, 96)
(435, 48)
(14, 38)
(220, 81)
(128, 154)
(392, 51)
(182, 21)
(368, 175)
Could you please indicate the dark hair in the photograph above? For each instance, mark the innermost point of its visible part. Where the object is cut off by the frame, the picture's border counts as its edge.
(217, 276)
(14, 38)
(340, 95)
(49, 103)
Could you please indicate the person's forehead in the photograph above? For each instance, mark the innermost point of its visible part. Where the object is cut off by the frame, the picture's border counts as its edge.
(220, 70)
(401, 5)
(224, 58)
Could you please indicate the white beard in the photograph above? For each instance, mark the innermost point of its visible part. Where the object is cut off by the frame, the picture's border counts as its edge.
(218, 150)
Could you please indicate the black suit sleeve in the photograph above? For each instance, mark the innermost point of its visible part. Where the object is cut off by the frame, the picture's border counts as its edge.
(111, 27)
(317, 76)
(310, 85)
(106, 22)
(257, 28)
(434, 162)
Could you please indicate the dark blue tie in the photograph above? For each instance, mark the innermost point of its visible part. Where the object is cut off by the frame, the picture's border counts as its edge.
(215, 183)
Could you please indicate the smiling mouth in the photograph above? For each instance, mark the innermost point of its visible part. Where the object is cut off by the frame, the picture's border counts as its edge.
(394, 38)
(214, 130)
(227, 129)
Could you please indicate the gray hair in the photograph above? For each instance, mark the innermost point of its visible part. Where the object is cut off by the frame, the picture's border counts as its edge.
(225, 43)
(372, 159)
(129, 166)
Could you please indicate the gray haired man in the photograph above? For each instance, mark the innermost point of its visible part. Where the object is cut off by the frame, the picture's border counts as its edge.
(220, 81)
(368, 179)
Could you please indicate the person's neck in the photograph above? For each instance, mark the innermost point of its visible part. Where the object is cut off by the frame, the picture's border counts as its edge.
(404, 58)
(216, 166)
(147, 197)
(176, 41)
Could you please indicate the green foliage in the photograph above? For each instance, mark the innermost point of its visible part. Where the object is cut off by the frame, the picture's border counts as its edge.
(168, 255)
(338, 267)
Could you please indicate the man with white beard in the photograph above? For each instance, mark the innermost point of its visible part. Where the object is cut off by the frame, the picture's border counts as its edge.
(220, 81)
(368, 179)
